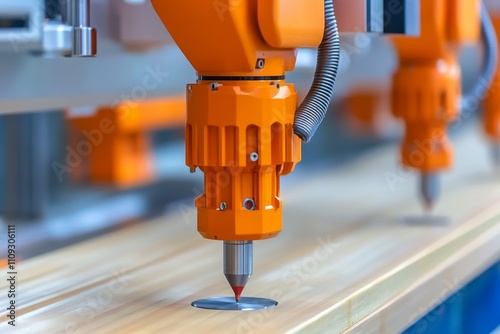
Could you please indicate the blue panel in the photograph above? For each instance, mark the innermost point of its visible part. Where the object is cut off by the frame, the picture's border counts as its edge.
(444, 319)
(475, 309)
(482, 303)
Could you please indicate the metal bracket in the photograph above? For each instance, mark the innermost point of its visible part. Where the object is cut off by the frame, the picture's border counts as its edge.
(378, 16)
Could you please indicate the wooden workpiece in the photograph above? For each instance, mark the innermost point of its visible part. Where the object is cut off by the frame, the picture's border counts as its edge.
(348, 259)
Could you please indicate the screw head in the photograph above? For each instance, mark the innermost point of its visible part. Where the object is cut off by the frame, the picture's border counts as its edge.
(254, 156)
(214, 86)
(249, 204)
(192, 170)
(223, 206)
(260, 63)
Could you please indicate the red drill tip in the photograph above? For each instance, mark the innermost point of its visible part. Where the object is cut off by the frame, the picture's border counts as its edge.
(429, 208)
(237, 292)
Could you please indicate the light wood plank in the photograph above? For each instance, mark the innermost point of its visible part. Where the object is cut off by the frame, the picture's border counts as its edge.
(346, 260)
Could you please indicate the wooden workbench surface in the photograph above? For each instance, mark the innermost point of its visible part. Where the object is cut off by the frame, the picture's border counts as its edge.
(350, 257)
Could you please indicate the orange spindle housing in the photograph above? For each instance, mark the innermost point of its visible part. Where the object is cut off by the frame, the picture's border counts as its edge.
(240, 135)
(240, 111)
(427, 87)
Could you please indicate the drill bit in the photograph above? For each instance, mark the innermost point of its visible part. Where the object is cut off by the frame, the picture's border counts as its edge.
(238, 265)
(430, 190)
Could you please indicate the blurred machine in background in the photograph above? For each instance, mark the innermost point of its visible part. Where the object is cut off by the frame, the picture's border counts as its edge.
(55, 168)
(427, 87)
(57, 174)
(121, 136)
(492, 101)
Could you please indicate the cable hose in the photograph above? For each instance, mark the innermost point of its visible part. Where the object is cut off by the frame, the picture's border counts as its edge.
(313, 109)
(472, 99)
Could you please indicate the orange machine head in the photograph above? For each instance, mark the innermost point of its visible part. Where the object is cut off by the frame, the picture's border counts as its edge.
(229, 38)
(427, 85)
(241, 111)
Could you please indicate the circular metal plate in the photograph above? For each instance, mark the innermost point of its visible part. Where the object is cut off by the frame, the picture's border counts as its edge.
(229, 304)
(430, 220)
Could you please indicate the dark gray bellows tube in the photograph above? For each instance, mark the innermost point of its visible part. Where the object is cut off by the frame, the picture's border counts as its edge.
(473, 98)
(313, 109)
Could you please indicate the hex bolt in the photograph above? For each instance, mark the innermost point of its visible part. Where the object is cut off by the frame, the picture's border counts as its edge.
(223, 206)
(214, 86)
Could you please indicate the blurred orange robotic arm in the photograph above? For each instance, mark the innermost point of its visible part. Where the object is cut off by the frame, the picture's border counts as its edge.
(427, 86)
(492, 102)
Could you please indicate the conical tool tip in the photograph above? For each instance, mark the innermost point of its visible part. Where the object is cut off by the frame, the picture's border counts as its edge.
(238, 263)
(237, 292)
(430, 190)
(429, 207)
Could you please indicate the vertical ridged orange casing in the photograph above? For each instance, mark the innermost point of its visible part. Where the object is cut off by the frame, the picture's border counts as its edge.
(425, 96)
(240, 112)
(492, 103)
(224, 128)
(427, 85)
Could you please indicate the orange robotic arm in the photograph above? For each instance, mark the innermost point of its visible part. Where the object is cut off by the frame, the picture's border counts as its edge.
(427, 86)
(242, 129)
